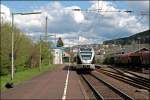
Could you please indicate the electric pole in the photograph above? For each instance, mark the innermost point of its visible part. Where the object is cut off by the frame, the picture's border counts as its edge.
(46, 29)
(12, 39)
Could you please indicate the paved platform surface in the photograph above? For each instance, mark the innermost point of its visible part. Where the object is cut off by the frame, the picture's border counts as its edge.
(49, 85)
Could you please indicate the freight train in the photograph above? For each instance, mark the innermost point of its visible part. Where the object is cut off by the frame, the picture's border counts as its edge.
(140, 58)
(85, 58)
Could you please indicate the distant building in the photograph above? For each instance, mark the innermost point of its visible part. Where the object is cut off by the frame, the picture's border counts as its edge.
(66, 56)
(57, 52)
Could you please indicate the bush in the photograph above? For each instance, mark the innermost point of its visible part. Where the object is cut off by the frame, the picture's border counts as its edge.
(26, 53)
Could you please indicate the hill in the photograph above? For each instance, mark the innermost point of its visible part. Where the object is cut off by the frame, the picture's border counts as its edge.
(142, 37)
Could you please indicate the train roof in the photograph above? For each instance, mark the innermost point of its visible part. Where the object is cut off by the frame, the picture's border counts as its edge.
(135, 53)
(138, 53)
(143, 49)
(86, 49)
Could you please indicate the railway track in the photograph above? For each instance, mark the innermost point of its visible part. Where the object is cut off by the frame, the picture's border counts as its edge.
(131, 76)
(103, 90)
(138, 77)
(134, 81)
(141, 80)
(130, 73)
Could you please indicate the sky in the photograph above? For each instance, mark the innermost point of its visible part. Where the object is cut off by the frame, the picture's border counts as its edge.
(83, 27)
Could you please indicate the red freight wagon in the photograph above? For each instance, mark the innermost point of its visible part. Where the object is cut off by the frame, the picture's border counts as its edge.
(145, 58)
(117, 59)
(124, 58)
(137, 58)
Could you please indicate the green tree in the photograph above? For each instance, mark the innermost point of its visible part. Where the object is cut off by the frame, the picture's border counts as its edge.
(34, 58)
(26, 52)
(46, 55)
(60, 42)
(22, 47)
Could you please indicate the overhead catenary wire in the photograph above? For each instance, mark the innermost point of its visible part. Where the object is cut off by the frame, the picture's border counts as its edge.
(98, 9)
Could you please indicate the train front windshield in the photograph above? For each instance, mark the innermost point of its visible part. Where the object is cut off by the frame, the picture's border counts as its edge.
(85, 49)
(86, 57)
(86, 53)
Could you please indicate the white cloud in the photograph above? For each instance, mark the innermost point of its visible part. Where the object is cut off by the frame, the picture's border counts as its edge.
(139, 5)
(83, 39)
(77, 15)
(68, 24)
(140, 8)
(117, 22)
(6, 16)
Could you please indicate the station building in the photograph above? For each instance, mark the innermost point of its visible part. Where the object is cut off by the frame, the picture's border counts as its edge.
(57, 55)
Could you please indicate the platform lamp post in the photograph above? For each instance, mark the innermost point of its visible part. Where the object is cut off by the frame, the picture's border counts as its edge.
(12, 40)
(70, 54)
(46, 36)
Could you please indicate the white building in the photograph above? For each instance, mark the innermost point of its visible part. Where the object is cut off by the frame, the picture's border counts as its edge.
(57, 56)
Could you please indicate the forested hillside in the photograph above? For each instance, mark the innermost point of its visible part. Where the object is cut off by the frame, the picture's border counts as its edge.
(26, 52)
(142, 37)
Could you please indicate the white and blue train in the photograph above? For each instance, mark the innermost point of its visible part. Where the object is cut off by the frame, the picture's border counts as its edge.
(85, 58)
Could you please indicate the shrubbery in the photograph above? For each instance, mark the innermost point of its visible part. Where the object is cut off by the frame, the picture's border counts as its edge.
(26, 52)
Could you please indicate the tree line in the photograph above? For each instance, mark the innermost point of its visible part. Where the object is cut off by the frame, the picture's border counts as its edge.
(26, 52)
(142, 38)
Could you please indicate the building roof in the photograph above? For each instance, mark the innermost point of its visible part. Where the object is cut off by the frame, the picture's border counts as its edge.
(66, 54)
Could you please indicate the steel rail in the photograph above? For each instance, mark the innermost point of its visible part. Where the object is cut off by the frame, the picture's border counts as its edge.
(116, 90)
(96, 93)
(126, 80)
(136, 78)
(140, 77)
(139, 80)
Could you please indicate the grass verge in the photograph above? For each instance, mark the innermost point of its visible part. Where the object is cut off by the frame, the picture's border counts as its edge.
(22, 76)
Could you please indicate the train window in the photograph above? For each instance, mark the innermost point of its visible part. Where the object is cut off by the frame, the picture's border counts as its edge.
(86, 57)
(86, 53)
(85, 49)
